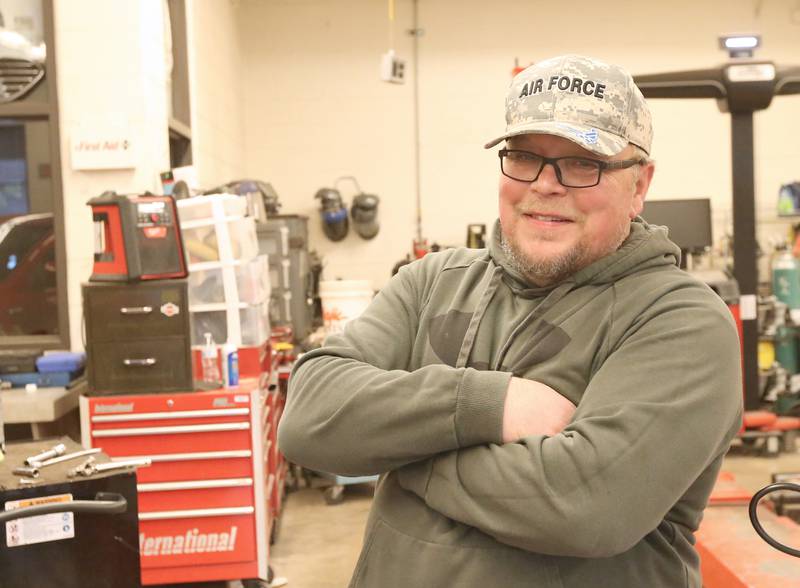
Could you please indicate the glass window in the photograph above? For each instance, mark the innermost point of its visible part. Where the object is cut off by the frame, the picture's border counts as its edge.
(33, 285)
(28, 298)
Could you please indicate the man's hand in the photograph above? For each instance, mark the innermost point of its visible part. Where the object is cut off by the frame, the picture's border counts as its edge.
(533, 408)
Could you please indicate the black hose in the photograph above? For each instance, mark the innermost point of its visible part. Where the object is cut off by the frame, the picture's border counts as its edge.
(754, 517)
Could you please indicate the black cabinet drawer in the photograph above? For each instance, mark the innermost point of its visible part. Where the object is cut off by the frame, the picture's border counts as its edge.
(148, 310)
(141, 365)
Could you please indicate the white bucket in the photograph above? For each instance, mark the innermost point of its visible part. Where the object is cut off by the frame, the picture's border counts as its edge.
(342, 301)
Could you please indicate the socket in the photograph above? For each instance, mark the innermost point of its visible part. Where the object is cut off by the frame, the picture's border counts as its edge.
(392, 68)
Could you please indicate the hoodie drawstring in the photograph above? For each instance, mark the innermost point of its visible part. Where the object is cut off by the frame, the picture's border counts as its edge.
(480, 310)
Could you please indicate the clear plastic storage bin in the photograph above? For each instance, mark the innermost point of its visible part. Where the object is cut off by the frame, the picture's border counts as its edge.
(253, 322)
(239, 281)
(207, 242)
(212, 206)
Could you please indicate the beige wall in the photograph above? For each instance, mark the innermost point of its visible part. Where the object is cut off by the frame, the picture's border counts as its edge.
(217, 87)
(110, 70)
(315, 108)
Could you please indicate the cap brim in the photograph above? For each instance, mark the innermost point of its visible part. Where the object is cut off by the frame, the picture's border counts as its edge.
(586, 136)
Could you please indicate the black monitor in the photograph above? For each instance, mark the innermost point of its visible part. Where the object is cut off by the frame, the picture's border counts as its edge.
(689, 221)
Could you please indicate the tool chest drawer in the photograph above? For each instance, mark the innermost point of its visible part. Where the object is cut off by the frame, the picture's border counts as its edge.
(179, 467)
(183, 439)
(220, 493)
(147, 310)
(182, 424)
(196, 538)
(143, 365)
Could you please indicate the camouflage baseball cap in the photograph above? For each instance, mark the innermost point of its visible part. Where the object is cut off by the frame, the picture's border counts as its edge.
(589, 102)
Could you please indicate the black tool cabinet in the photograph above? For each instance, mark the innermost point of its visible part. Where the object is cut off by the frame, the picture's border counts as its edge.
(138, 337)
(104, 549)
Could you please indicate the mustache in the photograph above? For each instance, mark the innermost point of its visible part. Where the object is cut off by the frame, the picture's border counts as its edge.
(544, 209)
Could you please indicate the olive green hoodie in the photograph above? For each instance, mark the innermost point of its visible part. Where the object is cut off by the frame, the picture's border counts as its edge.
(414, 389)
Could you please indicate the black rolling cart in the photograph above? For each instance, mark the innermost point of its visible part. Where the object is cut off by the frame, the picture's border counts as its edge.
(66, 529)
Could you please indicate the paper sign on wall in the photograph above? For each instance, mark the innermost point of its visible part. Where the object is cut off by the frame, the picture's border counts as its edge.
(99, 146)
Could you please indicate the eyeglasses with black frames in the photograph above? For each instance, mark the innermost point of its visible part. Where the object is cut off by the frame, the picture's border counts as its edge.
(572, 172)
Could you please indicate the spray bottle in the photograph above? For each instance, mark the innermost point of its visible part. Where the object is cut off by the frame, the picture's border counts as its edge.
(210, 365)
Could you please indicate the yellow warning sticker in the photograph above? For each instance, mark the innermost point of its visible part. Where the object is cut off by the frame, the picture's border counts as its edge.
(15, 504)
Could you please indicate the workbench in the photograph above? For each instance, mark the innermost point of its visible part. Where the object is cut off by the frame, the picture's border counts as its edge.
(49, 411)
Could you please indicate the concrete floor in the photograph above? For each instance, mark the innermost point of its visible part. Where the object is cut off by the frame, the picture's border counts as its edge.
(753, 473)
(318, 544)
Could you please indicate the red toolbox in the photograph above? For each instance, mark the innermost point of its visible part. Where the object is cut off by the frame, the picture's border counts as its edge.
(208, 502)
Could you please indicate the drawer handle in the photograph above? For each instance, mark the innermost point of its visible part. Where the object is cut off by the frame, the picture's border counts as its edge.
(169, 430)
(136, 309)
(146, 362)
(178, 414)
(160, 515)
(195, 485)
(170, 457)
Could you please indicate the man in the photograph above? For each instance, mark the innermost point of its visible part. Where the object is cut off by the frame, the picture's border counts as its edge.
(552, 412)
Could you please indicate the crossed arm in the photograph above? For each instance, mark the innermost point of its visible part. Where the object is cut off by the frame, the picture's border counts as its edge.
(354, 409)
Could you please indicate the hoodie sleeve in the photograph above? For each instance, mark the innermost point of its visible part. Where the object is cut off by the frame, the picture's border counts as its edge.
(658, 413)
(354, 408)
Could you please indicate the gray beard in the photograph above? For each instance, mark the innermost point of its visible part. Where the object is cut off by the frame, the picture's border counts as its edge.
(546, 272)
(542, 273)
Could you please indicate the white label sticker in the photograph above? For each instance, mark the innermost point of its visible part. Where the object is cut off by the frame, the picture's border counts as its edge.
(748, 308)
(42, 528)
(241, 398)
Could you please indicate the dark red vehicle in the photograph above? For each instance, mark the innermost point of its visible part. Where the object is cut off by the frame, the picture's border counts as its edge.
(28, 300)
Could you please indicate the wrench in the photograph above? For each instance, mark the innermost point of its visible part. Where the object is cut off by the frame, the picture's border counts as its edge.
(79, 469)
(90, 467)
(55, 451)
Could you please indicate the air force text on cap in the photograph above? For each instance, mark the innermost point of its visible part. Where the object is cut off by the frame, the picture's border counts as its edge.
(565, 84)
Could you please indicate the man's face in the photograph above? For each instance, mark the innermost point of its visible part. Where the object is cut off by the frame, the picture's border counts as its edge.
(551, 231)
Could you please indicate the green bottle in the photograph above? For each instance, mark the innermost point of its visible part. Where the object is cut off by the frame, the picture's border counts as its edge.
(786, 288)
(786, 280)
(786, 348)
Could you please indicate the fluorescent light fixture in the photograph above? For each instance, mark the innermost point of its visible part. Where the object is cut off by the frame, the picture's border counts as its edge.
(741, 42)
(740, 45)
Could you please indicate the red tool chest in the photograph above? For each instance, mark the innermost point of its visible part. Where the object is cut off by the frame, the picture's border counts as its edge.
(208, 501)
